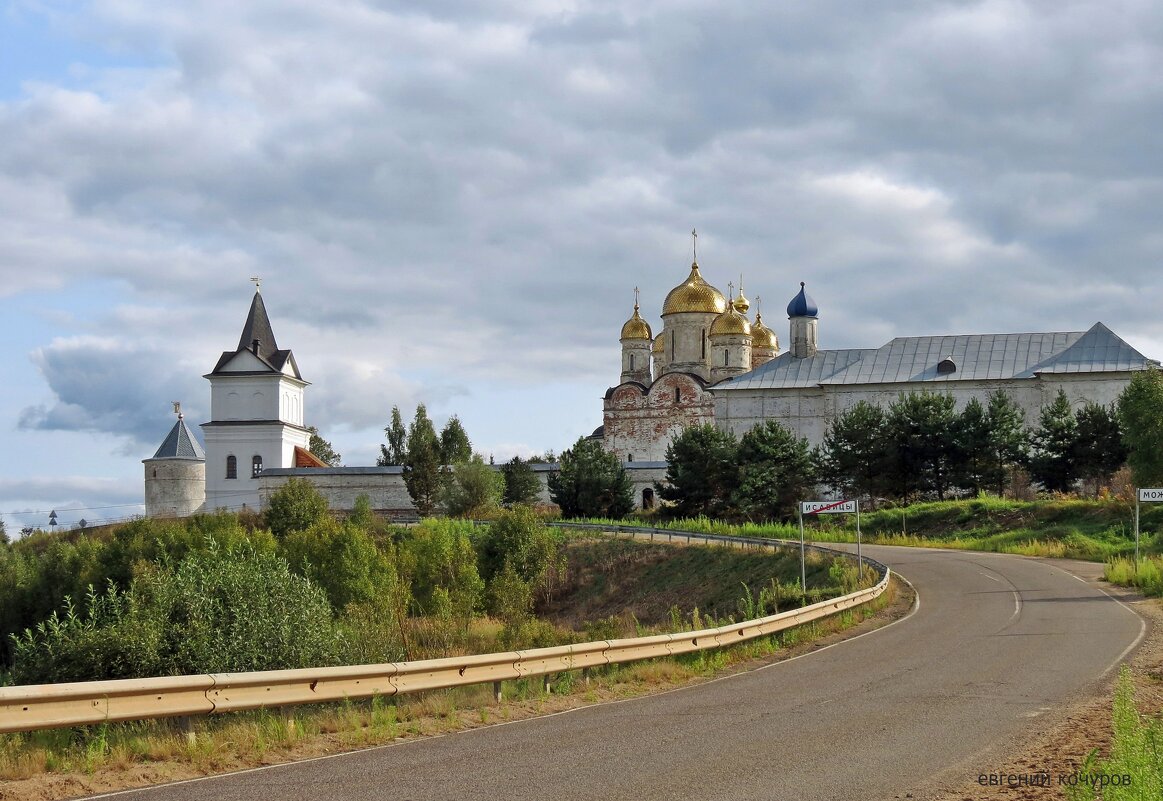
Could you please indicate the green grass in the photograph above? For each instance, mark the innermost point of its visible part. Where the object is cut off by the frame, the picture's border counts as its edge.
(1075, 528)
(1148, 577)
(1136, 757)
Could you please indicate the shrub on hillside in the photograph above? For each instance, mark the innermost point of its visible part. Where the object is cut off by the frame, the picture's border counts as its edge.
(218, 611)
(295, 506)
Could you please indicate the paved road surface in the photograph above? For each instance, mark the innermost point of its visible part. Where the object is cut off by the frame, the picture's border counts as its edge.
(997, 641)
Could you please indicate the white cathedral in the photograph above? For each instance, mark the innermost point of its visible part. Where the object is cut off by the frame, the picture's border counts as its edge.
(710, 363)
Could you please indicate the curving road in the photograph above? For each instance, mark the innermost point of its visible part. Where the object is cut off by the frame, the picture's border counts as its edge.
(995, 642)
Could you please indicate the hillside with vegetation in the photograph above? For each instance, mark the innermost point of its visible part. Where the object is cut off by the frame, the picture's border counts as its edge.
(301, 587)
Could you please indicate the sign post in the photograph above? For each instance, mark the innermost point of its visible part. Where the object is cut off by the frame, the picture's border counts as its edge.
(1144, 495)
(830, 508)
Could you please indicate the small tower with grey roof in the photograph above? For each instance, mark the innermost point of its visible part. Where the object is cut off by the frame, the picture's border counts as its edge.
(175, 476)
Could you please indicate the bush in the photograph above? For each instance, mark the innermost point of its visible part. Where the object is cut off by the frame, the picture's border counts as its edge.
(295, 506)
(218, 611)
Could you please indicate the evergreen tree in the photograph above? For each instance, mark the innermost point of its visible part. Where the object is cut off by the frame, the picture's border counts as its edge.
(854, 455)
(1008, 439)
(1140, 408)
(973, 440)
(923, 455)
(775, 472)
(393, 452)
(1099, 450)
(1055, 445)
(521, 484)
(454, 445)
(322, 448)
(591, 483)
(422, 474)
(702, 472)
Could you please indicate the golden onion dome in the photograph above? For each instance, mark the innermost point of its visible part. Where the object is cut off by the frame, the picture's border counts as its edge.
(659, 346)
(741, 303)
(730, 322)
(762, 336)
(636, 327)
(694, 295)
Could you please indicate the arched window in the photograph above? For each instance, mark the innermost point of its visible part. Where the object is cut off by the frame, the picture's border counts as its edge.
(648, 498)
(631, 361)
(677, 397)
(704, 344)
(255, 466)
(629, 457)
(231, 467)
(725, 357)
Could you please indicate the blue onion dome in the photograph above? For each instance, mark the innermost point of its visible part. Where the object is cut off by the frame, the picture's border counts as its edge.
(802, 305)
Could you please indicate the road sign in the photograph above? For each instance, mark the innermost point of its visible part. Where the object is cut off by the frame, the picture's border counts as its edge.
(831, 507)
(1151, 495)
(828, 508)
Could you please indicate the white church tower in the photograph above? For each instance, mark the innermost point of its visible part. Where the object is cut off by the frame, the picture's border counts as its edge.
(256, 414)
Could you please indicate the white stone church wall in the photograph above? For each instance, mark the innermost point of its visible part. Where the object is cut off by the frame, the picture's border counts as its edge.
(809, 411)
(385, 488)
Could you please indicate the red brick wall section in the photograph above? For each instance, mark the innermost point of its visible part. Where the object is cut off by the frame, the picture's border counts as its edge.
(641, 425)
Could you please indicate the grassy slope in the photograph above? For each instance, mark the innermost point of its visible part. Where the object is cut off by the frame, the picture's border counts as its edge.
(618, 577)
(1096, 530)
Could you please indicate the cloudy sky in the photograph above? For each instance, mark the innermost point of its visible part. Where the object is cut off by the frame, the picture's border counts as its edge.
(452, 201)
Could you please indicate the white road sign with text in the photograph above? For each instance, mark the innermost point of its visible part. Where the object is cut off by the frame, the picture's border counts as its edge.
(830, 507)
(1151, 495)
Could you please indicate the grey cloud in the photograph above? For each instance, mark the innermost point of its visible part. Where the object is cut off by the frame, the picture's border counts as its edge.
(112, 387)
(466, 192)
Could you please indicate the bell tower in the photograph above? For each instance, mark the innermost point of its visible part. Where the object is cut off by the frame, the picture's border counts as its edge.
(256, 411)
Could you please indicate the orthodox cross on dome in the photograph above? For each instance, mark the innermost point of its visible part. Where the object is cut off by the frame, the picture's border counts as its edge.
(635, 297)
(731, 290)
(695, 245)
(254, 279)
(177, 408)
(758, 305)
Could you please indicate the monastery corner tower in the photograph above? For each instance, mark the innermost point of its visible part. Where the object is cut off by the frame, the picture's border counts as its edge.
(256, 411)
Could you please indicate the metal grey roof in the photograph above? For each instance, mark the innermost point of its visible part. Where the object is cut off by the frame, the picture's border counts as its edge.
(180, 443)
(786, 371)
(974, 356)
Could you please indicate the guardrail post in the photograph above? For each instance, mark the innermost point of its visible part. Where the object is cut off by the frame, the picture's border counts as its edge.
(546, 687)
(288, 716)
(497, 695)
(185, 725)
(586, 676)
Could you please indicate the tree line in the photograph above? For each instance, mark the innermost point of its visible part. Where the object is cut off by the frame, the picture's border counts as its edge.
(920, 446)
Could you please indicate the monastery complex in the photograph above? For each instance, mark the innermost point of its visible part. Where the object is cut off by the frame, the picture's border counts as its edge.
(709, 363)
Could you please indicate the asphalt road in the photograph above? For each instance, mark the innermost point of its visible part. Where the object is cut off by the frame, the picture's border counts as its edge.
(995, 642)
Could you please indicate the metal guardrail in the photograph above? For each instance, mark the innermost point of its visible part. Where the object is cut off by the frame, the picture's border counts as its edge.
(42, 706)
